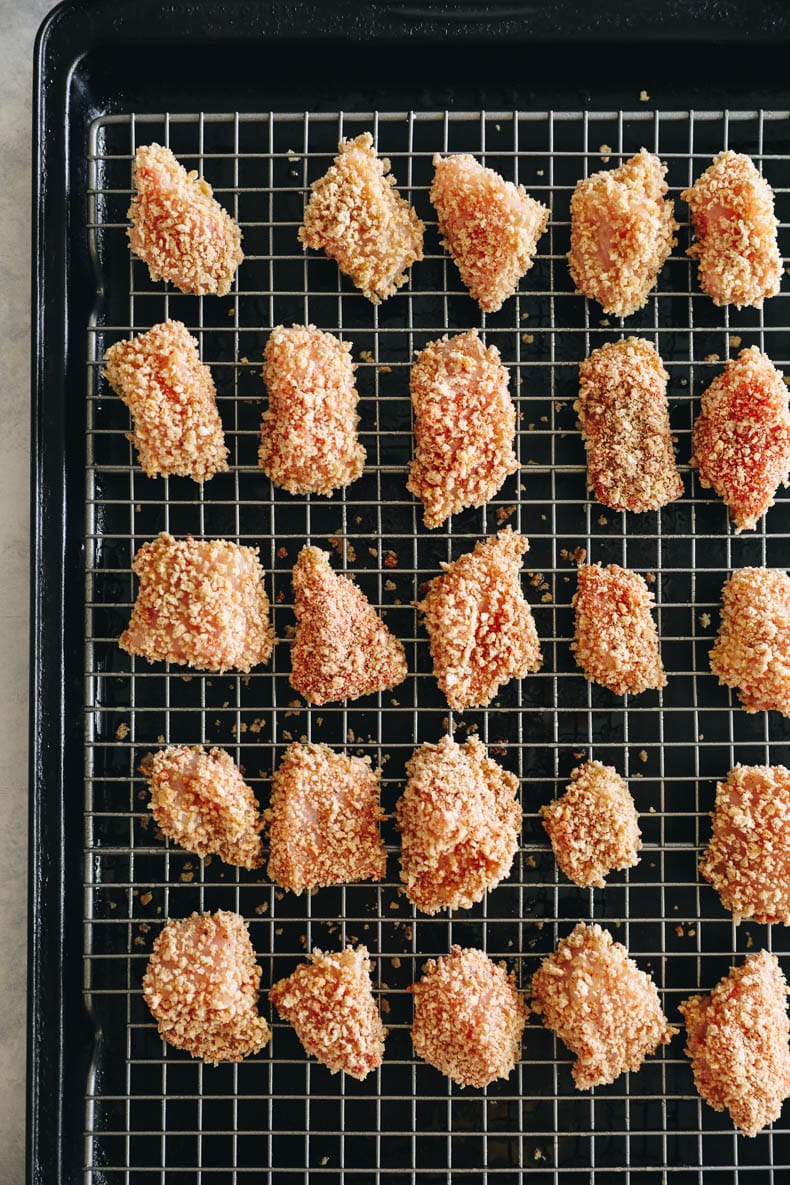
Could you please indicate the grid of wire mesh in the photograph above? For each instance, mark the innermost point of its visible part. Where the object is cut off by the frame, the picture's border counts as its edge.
(153, 1113)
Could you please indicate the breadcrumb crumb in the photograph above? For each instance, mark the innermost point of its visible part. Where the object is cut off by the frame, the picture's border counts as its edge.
(480, 626)
(178, 228)
(201, 985)
(309, 441)
(201, 602)
(490, 227)
(465, 425)
(356, 215)
(469, 1017)
(624, 420)
(600, 1004)
(593, 826)
(732, 213)
(329, 1001)
(615, 640)
(324, 819)
(460, 821)
(737, 1039)
(752, 649)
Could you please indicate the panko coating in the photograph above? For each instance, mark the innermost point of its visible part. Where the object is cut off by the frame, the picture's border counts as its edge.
(752, 649)
(615, 639)
(593, 826)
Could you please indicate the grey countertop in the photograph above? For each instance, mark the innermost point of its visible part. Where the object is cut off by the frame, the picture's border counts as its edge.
(19, 20)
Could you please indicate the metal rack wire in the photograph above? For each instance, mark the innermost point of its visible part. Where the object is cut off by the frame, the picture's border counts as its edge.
(153, 1114)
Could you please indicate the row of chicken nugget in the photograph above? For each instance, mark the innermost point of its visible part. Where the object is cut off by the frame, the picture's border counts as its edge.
(202, 985)
(622, 227)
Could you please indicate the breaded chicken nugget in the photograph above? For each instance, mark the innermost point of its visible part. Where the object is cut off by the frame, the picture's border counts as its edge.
(741, 437)
(469, 1017)
(490, 227)
(752, 650)
(200, 800)
(737, 1039)
(622, 231)
(201, 603)
(732, 212)
(600, 1005)
(178, 228)
(172, 398)
(481, 629)
(356, 215)
(593, 826)
(615, 640)
(324, 820)
(329, 1001)
(748, 858)
(309, 439)
(201, 985)
(342, 649)
(460, 822)
(464, 426)
(624, 421)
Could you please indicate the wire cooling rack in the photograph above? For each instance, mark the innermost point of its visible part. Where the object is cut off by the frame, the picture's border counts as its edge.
(151, 1112)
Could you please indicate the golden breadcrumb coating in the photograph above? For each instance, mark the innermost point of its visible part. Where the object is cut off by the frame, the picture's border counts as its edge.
(732, 213)
(324, 820)
(356, 215)
(490, 227)
(178, 228)
(624, 421)
(737, 1039)
(460, 822)
(329, 1001)
(748, 858)
(201, 985)
(309, 439)
(600, 1005)
(481, 628)
(201, 602)
(172, 398)
(741, 437)
(201, 801)
(342, 648)
(615, 639)
(593, 826)
(752, 650)
(464, 426)
(622, 232)
(469, 1017)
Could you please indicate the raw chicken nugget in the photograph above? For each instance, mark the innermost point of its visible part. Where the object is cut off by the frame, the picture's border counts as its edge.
(732, 212)
(481, 628)
(356, 215)
(342, 648)
(741, 437)
(624, 421)
(329, 1001)
(600, 1005)
(593, 826)
(172, 398)
(200, 800)
(622, 231)
(460, 821)
(201, 985)
(201, 603)
(464, 427)
(752, 650)
(309, 439)
(324, 820)
(469, 1017)
(178, 228)
(615, 639)
(748, 857)
(490, 227)
(737, 1039)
